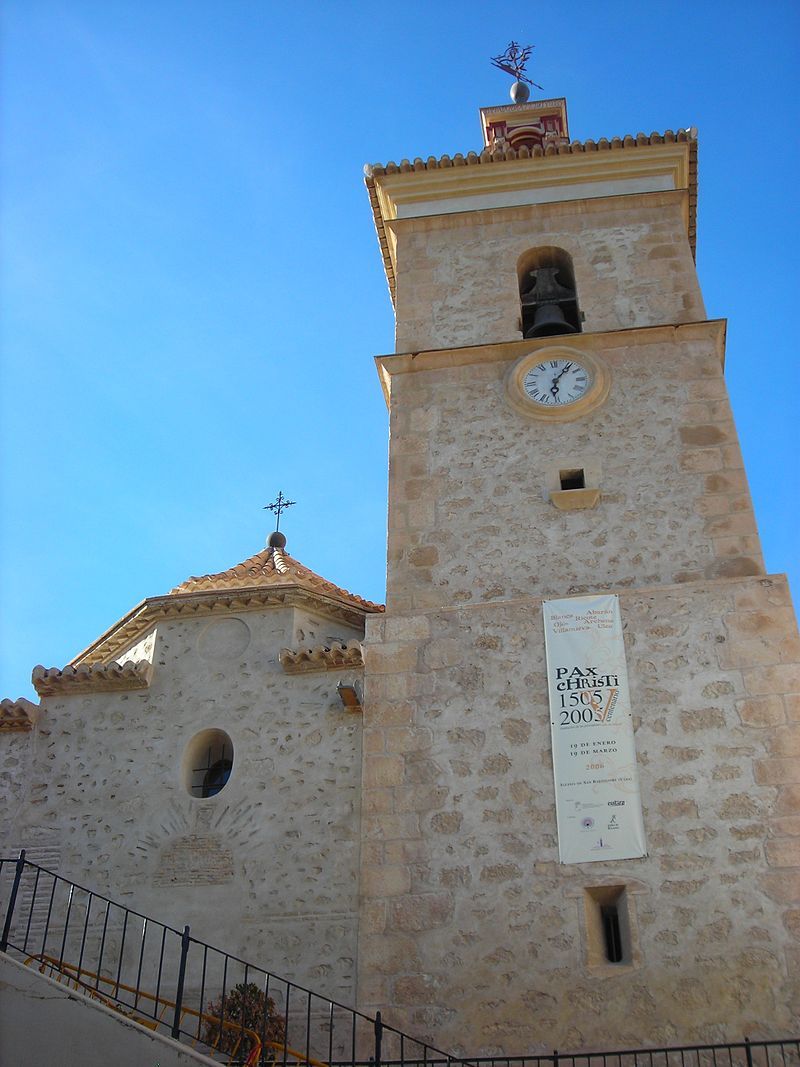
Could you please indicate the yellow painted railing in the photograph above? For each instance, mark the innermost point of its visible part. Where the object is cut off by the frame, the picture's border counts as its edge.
(89, 983)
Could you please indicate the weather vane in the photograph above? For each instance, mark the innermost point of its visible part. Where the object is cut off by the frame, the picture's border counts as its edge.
(513, 61)
(279, 504)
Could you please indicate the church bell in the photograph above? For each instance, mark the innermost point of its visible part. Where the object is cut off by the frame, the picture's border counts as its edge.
(549, 307)
(548, 321)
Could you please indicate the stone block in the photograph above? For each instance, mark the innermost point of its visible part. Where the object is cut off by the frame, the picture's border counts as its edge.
(391, 827)
(731, 525)
(373, 740)
(762, 595)
(785, 825)
(377, 801)
(788, 802)
(388, 713)
(387, 770)
(408, 739)
(385, 881)
(701, 460)
(390, 658)
(785, 742)
(780, 678)
(761, 711)
(703, 437)
(442, 652)
(734, 567)
(373, 916)
(406, 627)
(420, 911)
(783, 852)
(776, 771)
(781, 886)
(726, 481)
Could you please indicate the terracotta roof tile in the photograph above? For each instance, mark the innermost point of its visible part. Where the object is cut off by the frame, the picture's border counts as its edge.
(88, 678)
(323, 658)
(17, 714)
(272, 567)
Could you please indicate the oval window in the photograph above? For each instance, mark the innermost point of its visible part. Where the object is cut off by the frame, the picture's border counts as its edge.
(207, 763)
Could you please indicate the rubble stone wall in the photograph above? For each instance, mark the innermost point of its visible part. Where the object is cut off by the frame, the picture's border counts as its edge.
(474, 934)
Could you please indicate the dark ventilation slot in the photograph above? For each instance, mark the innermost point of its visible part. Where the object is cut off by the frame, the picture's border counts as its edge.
(572, 479)
(611, 933)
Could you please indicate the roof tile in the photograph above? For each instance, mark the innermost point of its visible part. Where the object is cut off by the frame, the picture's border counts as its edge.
(272, 567)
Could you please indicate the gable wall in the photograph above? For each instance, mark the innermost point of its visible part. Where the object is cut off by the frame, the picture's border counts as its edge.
(267, 868)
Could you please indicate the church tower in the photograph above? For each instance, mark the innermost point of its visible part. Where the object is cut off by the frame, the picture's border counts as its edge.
(560, 428)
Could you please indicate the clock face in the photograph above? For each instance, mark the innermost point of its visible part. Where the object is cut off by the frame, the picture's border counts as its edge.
(555, 382)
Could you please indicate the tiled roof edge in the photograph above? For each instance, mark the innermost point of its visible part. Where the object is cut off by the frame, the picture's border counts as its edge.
(323, 658)
(18, 714)
(90, 678)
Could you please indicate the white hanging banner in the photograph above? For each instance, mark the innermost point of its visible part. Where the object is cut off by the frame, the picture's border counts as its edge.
(598, 804)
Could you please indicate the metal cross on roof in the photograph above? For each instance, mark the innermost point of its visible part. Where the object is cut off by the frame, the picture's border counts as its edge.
(279, 504)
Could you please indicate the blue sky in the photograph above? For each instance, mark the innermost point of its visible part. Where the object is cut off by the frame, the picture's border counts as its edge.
(192, 291)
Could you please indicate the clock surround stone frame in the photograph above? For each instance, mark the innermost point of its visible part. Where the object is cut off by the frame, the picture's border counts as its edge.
(594, 396)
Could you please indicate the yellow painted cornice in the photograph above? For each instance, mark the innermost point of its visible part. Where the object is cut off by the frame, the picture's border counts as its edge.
(396, 191)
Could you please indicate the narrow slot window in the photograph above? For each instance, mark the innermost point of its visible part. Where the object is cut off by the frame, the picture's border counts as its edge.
(612, 937)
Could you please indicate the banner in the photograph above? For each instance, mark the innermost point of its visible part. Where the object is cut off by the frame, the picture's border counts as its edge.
(598, 805)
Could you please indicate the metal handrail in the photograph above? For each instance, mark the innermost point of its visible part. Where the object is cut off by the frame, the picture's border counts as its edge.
(82, 924)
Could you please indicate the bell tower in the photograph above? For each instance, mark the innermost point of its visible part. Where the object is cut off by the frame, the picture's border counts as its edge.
(560, 428)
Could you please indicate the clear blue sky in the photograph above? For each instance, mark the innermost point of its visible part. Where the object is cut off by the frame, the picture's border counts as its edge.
(193, 294)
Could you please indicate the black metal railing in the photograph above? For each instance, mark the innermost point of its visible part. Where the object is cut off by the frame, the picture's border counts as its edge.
(168, 980)
(171, 981)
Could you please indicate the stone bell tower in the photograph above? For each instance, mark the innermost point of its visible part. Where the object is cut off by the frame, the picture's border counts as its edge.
(560, 427)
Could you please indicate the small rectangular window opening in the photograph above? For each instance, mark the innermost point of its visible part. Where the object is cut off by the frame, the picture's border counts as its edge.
(611, 933)
(572, 479)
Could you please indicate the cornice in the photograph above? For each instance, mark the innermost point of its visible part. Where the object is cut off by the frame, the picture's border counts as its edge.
(507, 351)
(150, 612)
(394, 186)
(323, 658)
(17, 715)
(92, 678)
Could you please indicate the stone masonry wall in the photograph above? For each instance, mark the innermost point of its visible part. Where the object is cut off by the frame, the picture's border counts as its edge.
(473, 934)
(470, 517)
(268, 867)
(457, 274)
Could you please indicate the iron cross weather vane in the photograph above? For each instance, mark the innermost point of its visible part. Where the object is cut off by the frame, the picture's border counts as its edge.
(279, 504)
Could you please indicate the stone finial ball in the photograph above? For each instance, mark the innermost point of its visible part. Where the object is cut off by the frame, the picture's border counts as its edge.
(276, 540)
(520, 92)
